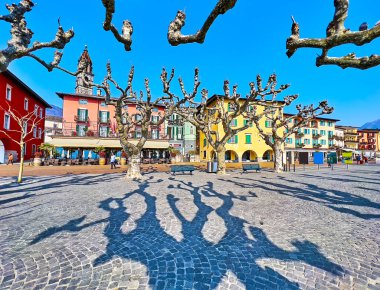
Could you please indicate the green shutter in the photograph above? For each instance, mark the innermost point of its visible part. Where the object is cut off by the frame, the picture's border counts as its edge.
(248, 139)
(236, 139)
(78, 113)
(108, 116)
(86, 115)
(229, 107)
(204, 142)
(108, 131)
(77, 129)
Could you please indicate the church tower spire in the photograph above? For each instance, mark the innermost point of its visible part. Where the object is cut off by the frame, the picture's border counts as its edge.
(85, 77)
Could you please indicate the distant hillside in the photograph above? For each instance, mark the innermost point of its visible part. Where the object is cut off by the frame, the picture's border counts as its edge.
(371, 125)
(55, 111)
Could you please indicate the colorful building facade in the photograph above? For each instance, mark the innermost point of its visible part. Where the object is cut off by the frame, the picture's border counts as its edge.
(22, 101)
(88, 122)
(182, 134)
(351, 137)
(245, 146)
(369, 141)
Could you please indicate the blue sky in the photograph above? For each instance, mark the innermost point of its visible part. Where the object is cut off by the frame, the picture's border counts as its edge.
(247, 40)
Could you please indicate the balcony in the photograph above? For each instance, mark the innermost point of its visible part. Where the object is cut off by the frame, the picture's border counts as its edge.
(81, 119)
(317, 146)
(301, 145)
(104, 121)
(317, 136)
(299, 134)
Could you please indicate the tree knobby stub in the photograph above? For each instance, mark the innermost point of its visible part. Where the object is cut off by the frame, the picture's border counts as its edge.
(337, 35)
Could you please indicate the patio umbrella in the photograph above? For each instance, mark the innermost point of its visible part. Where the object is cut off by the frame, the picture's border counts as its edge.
(68, 153)
(63, 153)
(90, 154)
(83, 154)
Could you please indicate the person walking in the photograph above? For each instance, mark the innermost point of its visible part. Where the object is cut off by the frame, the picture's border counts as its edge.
(10, 158)
(113, 161)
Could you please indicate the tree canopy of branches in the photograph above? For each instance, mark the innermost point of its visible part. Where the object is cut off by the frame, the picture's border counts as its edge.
(21, 36)
(127, 122)
(272, 110)
(25, 128)
(337, 35)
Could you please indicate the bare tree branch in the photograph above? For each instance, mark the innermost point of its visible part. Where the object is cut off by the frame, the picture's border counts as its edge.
(18, 45)
(336, 35)
(175, 36)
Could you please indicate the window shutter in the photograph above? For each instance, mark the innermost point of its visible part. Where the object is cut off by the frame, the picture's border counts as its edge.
(86, 115)
(77, 129)
(236, 139)
(78, 113)
(108, 131)
(108, 116)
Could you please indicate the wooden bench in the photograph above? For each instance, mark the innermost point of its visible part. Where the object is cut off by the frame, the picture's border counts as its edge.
(182, 168)
(251, 167)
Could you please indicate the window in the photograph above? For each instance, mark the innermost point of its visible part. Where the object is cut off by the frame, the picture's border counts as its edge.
(83, 101)
(36, 110)
(81, 130)
(41, 113)
(314, 132)
(103, 104)
(313, 123)
(155, 110)
(322, 123)
(204, 142)
(323, 142)
(103, 131)
(229, 107)
(233, 140)
(34, 132)
(246, 122)
(137, 117)
(323, 132)
(330, 124)
(7, 121)
(268, 124)
(331, 133)
(233, 123)
(155, 119)
(138, 134)
(248, 139)
(154, 134)
(8, 93)
(40, 133)
(306, 141)
(306, 131)
(289, 140)
(204, 154)
(82, 115)
(104, 116)
(25, 126)
(298, 141)
(33, 149)
(191, 130)
(26, 104)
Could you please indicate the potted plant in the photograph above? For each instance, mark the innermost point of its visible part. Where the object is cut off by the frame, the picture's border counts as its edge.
(37, 159)
(90, 133)
(102, 154)
(123, 159)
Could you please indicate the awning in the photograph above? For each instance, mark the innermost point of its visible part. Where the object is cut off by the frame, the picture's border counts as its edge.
(351, 150)
(75, 142)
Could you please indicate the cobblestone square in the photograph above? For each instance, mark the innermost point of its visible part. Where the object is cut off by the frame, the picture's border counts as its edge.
(302, 230)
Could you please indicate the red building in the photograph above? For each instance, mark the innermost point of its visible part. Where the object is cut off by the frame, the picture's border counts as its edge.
(22, 100)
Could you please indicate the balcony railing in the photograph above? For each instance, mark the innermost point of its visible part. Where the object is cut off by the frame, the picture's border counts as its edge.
(94, 130)
(83, 119)
(301, 145)
(316, 136)
(317, 146)
(299, 134)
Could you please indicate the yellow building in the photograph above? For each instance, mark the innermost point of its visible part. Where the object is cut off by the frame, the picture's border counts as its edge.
(351, 137)
(245, 146)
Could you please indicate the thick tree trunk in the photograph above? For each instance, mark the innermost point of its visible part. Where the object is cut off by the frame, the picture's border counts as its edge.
(221, 156)
(277, 158)
(134, 171)
(21, 170)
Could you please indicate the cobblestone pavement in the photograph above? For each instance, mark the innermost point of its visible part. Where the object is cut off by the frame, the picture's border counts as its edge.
(307, 230)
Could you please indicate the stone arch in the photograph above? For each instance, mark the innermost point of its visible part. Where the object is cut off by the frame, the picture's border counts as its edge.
(231, 156)
(268, 155)
(2, 152)
(249, 155)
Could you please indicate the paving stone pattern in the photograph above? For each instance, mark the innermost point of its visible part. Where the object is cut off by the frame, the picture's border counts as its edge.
(303, 230)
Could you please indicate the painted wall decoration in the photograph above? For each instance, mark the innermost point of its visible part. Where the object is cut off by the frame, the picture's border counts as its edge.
(318, 157)
(347, 157)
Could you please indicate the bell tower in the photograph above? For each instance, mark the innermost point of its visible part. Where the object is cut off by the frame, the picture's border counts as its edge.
(86, 77)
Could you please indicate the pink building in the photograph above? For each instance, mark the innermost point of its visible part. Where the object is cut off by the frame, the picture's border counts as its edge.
(88, 122)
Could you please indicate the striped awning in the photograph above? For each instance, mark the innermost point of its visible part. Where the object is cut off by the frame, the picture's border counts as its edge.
(85, 142)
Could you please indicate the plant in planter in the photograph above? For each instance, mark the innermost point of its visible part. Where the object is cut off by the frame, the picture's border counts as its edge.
(102, 154)
(90, 133)
(123, 159)
(37, 159)
(74, 133)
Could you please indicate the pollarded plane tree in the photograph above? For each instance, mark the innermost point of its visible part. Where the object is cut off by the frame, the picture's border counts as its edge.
(337, 35)
(145, 105)
(21, 37)
(281, 127)
(214, 117)
(25, 129)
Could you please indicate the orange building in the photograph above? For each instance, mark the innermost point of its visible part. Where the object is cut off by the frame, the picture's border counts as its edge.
(88, 122)
(369, 141)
